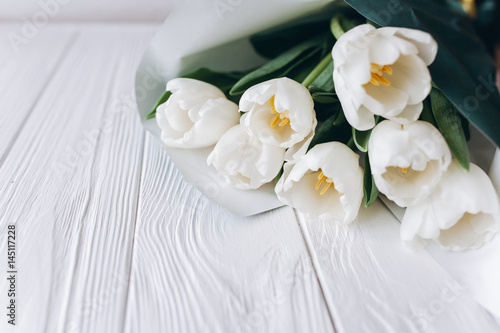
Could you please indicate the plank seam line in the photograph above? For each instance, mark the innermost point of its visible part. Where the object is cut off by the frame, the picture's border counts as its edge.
(138, 203)
(98, 139)
(85, 211)
(57, 67)
(71, 43)
(332, 309)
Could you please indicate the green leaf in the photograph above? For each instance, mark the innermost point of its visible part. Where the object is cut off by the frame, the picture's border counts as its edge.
(278, 176)
(300, 72)
(340, 119)
(466, 128)
(272, 42)
(464, 70)
(281, 65)
(335, 128)
(370, 190)
(426, 114)
(450, 125)
(325, 97)
(324, 132)
(166, 95)
(326, 110)
(324, 76)
(361, 139)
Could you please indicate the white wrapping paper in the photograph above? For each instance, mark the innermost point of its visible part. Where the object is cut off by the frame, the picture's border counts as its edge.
(204, 35)
(208, 34)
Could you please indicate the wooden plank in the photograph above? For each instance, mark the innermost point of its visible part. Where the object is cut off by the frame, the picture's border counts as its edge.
(69, 183)
(24, 76)
(373, 283)
(197, 268)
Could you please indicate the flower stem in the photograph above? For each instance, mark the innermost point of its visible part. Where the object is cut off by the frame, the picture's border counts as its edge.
(339, 24)
(317, 70)
(351, 144)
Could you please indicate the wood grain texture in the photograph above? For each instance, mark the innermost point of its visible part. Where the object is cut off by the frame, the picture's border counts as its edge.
(24, 77)
(70, 182)
(366, 272)
(197, 268)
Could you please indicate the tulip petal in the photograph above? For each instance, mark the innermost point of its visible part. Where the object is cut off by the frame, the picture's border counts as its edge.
(357, 68)
(411, 76)
(463, 211)
(299, 149)
(385, 101)
(258, 94)
(351, 96)
(407, 161)
(292, 96)
(426, 45)
(244, 161)
(278, 97)
(215, 117)
(352, 41)
(196, 115)
(173, 117)
(194, 86)
(384, 50)
(341, 201)
(410, 114)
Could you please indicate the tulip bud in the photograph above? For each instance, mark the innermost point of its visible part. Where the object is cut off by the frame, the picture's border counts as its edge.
(196, 115)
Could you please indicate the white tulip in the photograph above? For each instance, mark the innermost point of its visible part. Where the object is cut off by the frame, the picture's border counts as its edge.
(463, 211)
(407, 161)
(327, 182)
(196, 115)
(244, 161)
(382, 72)
(280, 112)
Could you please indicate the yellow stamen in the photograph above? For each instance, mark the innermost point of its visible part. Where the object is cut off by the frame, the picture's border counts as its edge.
(275, 120)
(329, 183)
(380, 80)
(284, 122)
(374, 67)
(378, 71)
(374, 81)
(322, 178)
(281, 118)
(403, 170)
(387, 69)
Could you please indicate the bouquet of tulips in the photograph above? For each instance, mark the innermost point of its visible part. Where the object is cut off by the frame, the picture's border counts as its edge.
(332, 90)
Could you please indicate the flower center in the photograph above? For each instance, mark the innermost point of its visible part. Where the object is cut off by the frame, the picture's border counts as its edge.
(322, 178)
(281, 118)
(378, 78)
(403, 170)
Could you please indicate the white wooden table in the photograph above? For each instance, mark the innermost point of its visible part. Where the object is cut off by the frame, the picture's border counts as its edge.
(111, 239)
